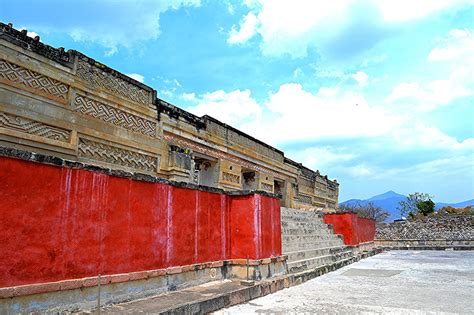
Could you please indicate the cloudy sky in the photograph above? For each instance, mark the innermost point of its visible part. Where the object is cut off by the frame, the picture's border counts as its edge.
(376, 93)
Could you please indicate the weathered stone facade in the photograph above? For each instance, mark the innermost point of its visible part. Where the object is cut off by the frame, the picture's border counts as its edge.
(65, 104)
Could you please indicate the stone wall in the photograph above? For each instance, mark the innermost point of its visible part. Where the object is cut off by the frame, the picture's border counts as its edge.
(436, 231)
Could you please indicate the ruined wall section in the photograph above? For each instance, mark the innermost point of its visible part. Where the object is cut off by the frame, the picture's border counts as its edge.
(68, 105)
(435, 227)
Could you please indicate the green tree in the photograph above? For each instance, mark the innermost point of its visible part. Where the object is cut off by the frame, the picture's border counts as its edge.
(416, 203)
(426, 207)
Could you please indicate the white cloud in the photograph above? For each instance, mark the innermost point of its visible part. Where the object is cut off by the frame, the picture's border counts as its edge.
(374, 60)
(189, 97)
(456, 166)
(406, 10)
(359, 170)
(32, 34)
(458, 49)
(458, 44)
(416, 134)
(248, 28)
(114, 25)
(291, 27)
(166, 93)
(232, 108)
(293, 115)
(321, 157)
(433, 94)
(29, 33)
(328, 113)
(361, 77)
(136, 76)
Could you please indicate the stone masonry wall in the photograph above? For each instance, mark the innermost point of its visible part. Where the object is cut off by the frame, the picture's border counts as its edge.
(436, 227)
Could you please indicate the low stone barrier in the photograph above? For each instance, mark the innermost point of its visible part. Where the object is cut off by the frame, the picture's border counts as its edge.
(449, 231)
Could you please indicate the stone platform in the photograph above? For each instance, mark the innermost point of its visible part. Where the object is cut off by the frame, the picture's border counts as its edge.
(395, 282)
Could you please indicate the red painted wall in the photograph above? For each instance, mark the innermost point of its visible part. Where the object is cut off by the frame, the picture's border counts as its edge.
(255, 234)
(354, 229)
(366, 230)
(60, 223)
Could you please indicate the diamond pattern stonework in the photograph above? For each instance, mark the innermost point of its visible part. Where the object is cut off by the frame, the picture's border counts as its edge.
(115, 155)
(33, 127)
(114, 116)
(31, 79)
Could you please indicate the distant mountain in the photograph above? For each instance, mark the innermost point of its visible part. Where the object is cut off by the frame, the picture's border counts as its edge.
(387, 195)
(462, 204)
(389, 201)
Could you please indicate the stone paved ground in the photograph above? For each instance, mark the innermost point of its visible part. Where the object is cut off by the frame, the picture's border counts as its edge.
(399, 282)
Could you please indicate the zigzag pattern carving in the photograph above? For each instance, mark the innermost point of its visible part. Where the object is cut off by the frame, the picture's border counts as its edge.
(22, 76)
(33, 127)
(267, 187)
(114, 116)
(115, 155)
(95, 76)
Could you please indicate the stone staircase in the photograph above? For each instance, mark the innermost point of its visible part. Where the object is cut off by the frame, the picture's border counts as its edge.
(308, 242)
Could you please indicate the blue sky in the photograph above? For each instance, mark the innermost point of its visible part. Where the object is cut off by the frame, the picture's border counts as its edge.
(378, 94)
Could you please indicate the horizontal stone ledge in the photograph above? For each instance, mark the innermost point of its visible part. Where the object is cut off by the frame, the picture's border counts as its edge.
(256, 262)
(71, 284)
(60, 162)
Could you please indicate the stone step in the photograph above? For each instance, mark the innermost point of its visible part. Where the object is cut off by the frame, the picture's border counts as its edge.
(316, 252)
(301, 218)
(317, 225)
(311, 263)
(313, 227)
(306, 238)
(294, 232)
(308, 231)
(310, 245)
(301, 215)
(317, 243)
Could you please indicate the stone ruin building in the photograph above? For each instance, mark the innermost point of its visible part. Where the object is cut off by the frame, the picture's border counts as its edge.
(99, 176)
(65, 104)
(105, 186)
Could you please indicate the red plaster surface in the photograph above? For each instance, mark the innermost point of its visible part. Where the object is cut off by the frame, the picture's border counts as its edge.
(354, 229)
(59, 223)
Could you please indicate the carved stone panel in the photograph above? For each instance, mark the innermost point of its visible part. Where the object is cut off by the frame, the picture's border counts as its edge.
(114, 116)
(115, 155)
(231, 178)
(305, 199)
(21, 76)
(111, 83)
(217, 154)
(303, 181)
(267, 187)
(32, 127)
